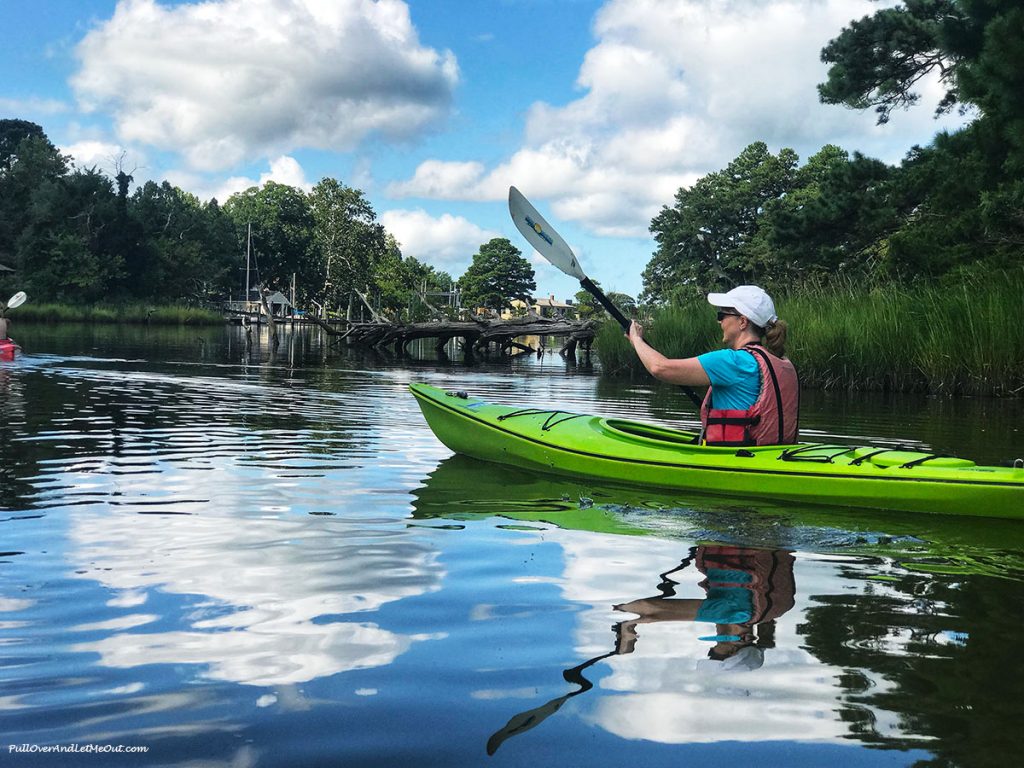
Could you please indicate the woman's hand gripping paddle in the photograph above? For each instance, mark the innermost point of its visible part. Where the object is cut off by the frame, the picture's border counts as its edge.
(552, 247)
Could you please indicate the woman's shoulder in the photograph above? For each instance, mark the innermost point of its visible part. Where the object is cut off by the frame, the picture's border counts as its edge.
(727, 366)
(742, 358)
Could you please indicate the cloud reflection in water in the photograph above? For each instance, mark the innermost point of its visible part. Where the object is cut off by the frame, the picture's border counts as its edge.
(278, 600)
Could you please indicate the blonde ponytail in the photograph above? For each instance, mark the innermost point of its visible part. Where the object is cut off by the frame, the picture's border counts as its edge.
(775, 337)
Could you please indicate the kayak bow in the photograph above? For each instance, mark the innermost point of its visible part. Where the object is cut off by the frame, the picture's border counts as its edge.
(620, 451)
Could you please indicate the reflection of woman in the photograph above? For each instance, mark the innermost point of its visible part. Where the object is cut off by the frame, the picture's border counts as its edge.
(745, 591)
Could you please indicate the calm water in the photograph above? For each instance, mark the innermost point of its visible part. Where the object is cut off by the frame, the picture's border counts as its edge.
(236, 558)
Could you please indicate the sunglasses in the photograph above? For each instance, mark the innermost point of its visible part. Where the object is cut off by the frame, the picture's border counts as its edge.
(722, 315)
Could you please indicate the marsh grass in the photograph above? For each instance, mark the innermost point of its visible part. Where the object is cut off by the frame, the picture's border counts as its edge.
(32, 312)
(964, 337)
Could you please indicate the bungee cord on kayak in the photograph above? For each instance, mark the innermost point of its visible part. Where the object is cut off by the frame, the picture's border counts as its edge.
(548, 423)
(804, 453)
(800, 454)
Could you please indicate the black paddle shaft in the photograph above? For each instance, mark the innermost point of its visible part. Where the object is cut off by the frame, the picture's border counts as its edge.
(604, 301)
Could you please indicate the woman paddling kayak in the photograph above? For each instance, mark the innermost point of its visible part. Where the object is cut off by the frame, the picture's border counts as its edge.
(754, 393)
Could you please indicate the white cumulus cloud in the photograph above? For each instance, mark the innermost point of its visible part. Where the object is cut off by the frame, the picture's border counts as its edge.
(672, 90)
(92, 153)
(225, 81)
(435, 178)
(447, 242)
(283, 170)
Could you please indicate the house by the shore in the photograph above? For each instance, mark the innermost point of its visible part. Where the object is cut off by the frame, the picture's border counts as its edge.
(548, 306)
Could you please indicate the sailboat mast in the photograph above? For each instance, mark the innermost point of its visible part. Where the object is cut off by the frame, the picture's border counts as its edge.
(248, 256)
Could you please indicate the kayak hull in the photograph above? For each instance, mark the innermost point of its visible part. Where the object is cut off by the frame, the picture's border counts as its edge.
(632, 453)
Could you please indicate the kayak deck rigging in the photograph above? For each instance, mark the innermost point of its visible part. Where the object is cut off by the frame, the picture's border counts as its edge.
(548, 423)
(800, 454)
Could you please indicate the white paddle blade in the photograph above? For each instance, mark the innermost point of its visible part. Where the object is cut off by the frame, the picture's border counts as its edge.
(16, 300)
(541, 235)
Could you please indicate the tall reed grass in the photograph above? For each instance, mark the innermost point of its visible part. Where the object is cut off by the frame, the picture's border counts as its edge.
(32, 312)
(964, 337)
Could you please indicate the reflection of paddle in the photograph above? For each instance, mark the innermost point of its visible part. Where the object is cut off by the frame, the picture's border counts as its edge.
(625, 638)
(524, 721)
(552, 247)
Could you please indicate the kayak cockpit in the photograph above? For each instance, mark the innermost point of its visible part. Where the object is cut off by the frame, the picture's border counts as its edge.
(649, 432)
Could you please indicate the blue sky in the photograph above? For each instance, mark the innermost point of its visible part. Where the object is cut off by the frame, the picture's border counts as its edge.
(597, 110)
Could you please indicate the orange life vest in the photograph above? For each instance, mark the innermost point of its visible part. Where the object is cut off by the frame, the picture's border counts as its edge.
(768, 574)
(773, 419)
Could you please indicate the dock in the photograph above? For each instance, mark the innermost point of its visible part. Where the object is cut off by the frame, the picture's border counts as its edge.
(476, 336)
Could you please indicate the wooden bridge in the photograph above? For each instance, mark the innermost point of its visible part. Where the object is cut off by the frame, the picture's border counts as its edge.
(475, 336)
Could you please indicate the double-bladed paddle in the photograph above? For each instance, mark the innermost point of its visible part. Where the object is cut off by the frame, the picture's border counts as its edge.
(15, 301)
(552, 247)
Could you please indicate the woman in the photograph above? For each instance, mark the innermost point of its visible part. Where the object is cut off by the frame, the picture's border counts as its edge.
(754, 392)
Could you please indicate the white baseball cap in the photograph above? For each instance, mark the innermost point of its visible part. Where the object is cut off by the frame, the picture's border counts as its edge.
(750, 301)
(746, 659)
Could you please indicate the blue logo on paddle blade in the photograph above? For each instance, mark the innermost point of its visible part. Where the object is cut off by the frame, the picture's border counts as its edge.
(539, 230)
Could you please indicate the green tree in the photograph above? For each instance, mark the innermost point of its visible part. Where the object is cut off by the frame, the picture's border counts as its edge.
(878, 60)
(28, 161)
(348, 241)
(398, 281)
(221, 255)
(187, 250)
(711, 238)
(967, 189)
(837, 218)
(282, 235)
(390, 277)
(975, 46)
(587, 306)
(12, 134)
(965, 209)
(68, 248)
(498, 274)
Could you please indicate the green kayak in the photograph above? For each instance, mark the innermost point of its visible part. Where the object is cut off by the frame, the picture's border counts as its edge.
(629, 452)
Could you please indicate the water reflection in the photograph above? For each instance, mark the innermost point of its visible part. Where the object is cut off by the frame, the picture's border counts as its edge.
(209, 506)
(464, 488)
(270, 603)
(12, 423)
(718, 653)
(205, 549)
(745, 591)
(889, 625)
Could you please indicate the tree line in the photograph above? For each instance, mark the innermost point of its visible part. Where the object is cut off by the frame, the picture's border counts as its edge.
(76, 236)
(954, 206)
